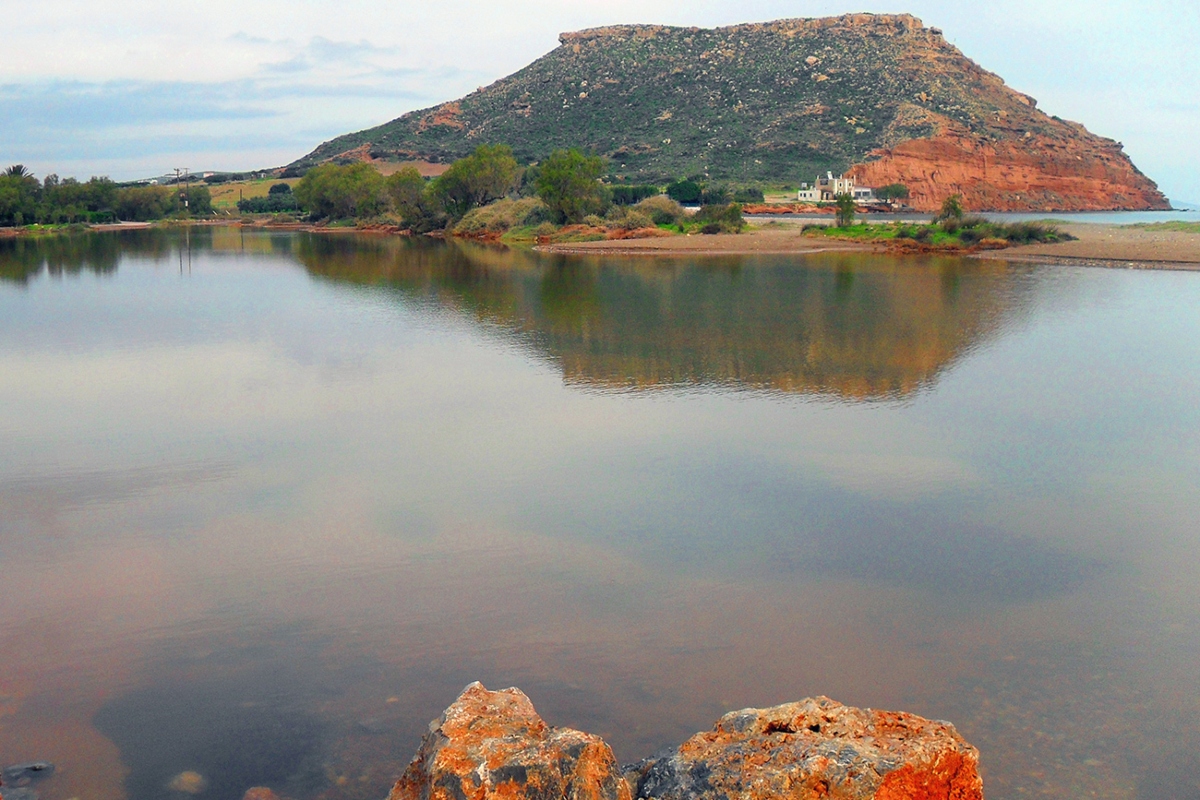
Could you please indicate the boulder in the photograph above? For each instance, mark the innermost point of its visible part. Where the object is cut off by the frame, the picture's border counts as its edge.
(815, 748)
(494, 745)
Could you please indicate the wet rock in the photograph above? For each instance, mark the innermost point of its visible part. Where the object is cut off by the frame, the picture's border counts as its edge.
(188, 782)
(494, 746)
(815, 748)
(33, 770)
(260, 793)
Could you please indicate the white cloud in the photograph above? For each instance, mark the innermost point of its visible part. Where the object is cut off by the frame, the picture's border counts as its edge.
(1125, 68)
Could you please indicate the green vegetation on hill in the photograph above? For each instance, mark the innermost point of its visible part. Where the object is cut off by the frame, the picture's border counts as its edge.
(777, 102)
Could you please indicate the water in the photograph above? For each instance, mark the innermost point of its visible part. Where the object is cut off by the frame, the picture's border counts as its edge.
(268, 501)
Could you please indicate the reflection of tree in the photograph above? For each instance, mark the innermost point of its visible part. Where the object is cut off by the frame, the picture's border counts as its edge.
(849, 325)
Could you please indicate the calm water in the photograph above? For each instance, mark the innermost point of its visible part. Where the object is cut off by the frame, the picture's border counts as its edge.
(268, 501)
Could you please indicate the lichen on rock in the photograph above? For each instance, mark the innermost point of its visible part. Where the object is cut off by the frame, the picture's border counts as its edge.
(493, 745)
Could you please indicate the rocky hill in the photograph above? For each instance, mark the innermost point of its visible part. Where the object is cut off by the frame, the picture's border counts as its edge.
(881, 96)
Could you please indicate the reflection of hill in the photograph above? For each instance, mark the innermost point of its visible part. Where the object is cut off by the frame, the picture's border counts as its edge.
(845, 325)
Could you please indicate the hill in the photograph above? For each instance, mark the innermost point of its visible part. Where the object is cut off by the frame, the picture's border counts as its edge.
(881, 96)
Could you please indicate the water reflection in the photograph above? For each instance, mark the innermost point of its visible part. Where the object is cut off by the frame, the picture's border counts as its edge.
(262, 520)
(850, 326)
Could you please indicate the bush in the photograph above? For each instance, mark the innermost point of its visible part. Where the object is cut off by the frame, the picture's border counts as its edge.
(503, 215)
(728, 218)
(594, 221)
(627, 219)
(544, 230)
(623, 195)
(715, 196)
(271, 204)
(685, 191)
(662, 210)
(749, 194)
(893, 191)
(280, 188)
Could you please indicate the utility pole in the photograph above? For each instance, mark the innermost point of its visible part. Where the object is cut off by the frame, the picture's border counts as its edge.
(184, 174)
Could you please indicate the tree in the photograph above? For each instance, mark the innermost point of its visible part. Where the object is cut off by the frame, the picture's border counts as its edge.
(413, 200)
(569, 183)
(893, 191)
(279, 188)
(341, 192)
(952, 208)
(685, 191)
(845, 210)
(488, 174)
(18, 171)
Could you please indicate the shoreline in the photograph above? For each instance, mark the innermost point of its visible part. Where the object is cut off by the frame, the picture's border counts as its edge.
(1095, 245)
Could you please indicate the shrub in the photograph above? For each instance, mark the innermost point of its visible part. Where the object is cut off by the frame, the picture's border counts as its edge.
(749, 194)
(271, 204)
(685, 191)
(923, 234)
(952, 208)
(715, 196)
(594, 221)
(845, 210)
(623, 195)
(279, 188)
(503, 215)
(627, 219)
(893, 191)
(728, 218)
(662, 210)
(545, 229)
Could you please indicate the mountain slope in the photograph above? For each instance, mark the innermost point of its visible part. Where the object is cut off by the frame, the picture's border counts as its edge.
(779, 102)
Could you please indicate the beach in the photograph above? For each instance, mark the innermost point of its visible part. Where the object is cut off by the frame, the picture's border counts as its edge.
(1100, 245)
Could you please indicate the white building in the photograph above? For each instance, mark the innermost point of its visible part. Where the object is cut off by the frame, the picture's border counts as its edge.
(826, 190)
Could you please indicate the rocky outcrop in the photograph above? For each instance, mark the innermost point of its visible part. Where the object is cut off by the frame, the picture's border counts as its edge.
(815, 748)
(493, 745)
(1038, 173)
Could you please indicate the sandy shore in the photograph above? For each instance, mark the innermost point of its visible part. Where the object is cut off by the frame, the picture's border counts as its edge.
(1100, 245)
(1115, 245)
(782, 240)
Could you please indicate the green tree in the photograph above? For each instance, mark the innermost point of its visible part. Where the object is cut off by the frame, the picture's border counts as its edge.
(893, 191)
(569, 183)
(685, 191)
(341, 192)
(488, 174)
(845, 210)
(952, 208)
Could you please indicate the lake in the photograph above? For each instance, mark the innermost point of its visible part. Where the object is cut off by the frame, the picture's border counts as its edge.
(268, 501)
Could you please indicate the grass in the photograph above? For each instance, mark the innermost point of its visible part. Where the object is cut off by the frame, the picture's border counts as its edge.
(1175, 225)
(226, 195)
(969, 232)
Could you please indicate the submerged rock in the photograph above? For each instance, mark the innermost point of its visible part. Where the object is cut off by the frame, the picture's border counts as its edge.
(494, 746)
(188, 782)
(32, 770)
(815, 748)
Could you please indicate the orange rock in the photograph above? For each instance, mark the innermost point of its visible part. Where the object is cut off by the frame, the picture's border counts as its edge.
(260, 793)
(815, 749)
(1074, 171)
(494, 745)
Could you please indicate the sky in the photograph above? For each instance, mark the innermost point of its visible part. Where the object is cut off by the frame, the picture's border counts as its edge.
(133, 88)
